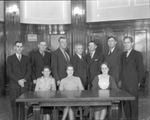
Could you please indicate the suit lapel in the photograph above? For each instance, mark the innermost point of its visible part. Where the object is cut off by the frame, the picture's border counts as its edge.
(80, 60)
(127, 59)
(16, 59)
(40, 58)
(124, 59)
(94, 57)
(61, 54)
(130, 55)
(22, 60)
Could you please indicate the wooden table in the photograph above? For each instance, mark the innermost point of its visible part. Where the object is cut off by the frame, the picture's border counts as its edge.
(72, 98)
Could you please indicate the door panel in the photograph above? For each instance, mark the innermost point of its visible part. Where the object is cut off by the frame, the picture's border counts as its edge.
(2, 58)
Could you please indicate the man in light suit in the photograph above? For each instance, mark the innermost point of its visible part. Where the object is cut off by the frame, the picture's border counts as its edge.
(94, 60)
(132, 72)
(79, 64)
(112, 57)
(60, 60)
(18, 71)
(39, 59)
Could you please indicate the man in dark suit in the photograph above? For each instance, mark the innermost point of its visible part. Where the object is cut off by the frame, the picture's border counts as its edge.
(112, 57)
(39, 59)
(132, 72)
(79, 64)
(60, 60)
(94, 60)
(18, 70)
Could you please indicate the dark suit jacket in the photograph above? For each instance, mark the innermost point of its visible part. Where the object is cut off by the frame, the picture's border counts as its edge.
(80, 68)
(94, 65)
(38, 62)
(59, 65)
(132, 71)
(114, 61)
(17, 70)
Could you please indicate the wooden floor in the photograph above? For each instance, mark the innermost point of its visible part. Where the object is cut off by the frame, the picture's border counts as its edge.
(144, 108)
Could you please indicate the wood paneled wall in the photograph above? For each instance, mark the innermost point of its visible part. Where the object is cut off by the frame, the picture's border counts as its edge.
(2, 58)
(42, 33)
(78, 23)
(12, 25)
(138, 29)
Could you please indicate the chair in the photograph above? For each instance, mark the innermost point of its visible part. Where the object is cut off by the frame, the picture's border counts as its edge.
(78, 112)
(143, 87)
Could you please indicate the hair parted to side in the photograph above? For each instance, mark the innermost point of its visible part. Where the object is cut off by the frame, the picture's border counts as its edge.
(61, 38)
(105, 63)
(42, 41)
(18, 42)
(69, 65)
(128, 37)
(46, 66)
(92, 42)
(112, 37)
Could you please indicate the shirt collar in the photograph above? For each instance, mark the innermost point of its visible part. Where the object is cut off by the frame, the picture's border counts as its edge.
(42, 52)
(80, 56)
(112, 49)
(128, 52)
(18, 54)
(62, 49)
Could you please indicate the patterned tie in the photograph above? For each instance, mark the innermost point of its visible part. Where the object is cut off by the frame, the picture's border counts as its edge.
(66, 57)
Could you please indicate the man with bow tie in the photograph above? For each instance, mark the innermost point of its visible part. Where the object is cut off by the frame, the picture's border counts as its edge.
(18, 71)
(132, 72)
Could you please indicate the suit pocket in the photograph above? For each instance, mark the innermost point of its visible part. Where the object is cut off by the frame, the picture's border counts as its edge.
(95, 59)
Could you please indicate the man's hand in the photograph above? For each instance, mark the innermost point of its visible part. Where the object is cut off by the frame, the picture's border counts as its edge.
(34, 81)
(139, 85)
(58, 82)
(21, 82)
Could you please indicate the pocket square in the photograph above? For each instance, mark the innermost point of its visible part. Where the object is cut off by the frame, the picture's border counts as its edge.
(96, 60)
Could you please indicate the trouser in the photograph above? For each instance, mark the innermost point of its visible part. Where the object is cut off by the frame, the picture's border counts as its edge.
(131, 107)
(14, 93)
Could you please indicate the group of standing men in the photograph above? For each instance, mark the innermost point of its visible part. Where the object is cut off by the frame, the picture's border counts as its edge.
(126, 67)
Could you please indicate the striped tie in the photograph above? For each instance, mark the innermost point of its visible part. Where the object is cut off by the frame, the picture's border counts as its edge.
(66, 57)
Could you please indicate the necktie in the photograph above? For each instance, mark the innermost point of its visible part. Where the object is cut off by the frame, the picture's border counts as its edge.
(126, 53)
(126, 57)
(43, 54)
(19, 57)
(91, 55)
(81, 58)
(66, 57)
(109, 53)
